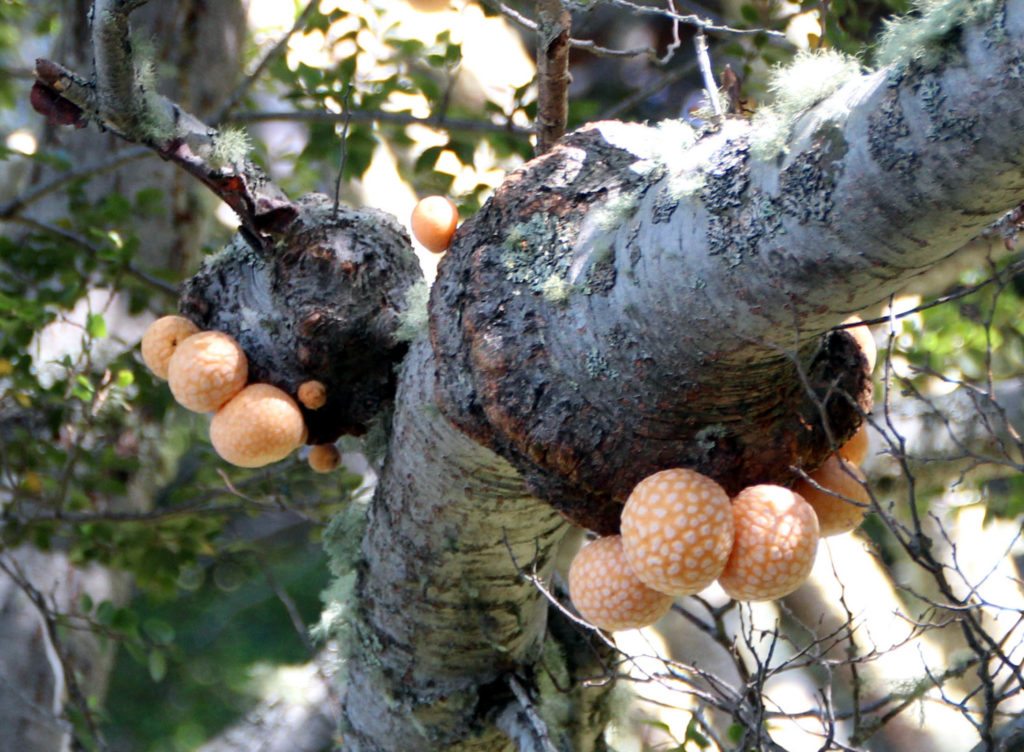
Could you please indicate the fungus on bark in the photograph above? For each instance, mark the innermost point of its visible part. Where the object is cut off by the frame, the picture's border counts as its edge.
(324, 458)
(312, 395)
(837, 495)
(161, 339)
(677, 531)
(433, 222)
(775, 544)
(258, 426)
(206, 370)
(607, 593)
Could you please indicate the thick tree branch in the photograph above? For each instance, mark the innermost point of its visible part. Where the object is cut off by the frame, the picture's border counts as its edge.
(138, 114)
(623, 303)
(442, 611)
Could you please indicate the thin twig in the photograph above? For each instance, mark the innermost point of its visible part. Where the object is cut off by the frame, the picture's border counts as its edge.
(710, 87)
(380, 116)
(279, 46)
(346, 111)
(85, 244)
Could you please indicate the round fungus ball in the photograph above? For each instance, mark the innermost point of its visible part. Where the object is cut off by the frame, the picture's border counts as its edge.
(839, 478)
(259, 425)
(607, 593)
(161, 340)
(855, 450)
(206, 370)
(323, 458)
(776, 541)
(312, 394)
(433, 222)
(677, 531)
(865, 339)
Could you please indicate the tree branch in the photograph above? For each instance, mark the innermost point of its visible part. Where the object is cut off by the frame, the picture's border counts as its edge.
(713, 265)
(552, 72)
(217, 160)
(381, 116)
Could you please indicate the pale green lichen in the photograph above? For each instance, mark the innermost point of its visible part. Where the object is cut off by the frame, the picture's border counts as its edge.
(414, 319)
(556, 705)
(807, 80)
(342, 543)
(154, 121)
(919, 38)
(685, 184)
(230, 146)
(555, 289)
(535, 251)
(614, 212)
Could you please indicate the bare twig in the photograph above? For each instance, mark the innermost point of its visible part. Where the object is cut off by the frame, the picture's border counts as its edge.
(380, 116)
(275, 51)
(46, 614)
(154, 283)
(710, 87)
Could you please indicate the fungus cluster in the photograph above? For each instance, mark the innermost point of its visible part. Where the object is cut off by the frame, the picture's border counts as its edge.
(253, 424)
(680, 532)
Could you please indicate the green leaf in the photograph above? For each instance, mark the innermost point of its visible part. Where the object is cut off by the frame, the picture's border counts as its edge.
(735, 733)
(105, 613)
(157, 665)
(96, 326)
(159, 631)
(693, 735)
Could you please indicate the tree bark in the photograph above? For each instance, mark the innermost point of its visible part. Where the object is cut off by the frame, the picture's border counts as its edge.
(631, 301)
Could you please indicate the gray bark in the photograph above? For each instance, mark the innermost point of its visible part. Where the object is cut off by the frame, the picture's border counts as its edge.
(629, 302)
(442, 609)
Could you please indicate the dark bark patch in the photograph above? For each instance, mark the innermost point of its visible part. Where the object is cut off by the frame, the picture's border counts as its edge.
(807, 183)
(945, 121)
(886, 126)
(740, 233)
(728, 177)
(601, 274)
(665, 205)
(323, 302)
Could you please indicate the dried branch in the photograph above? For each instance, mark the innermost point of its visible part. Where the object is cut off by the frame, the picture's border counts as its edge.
(275, 51)
(552, 72)
(70, 678)
(123, 101)
(154, 283)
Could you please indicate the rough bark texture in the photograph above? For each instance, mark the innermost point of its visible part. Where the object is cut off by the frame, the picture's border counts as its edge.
(443, 612)
(635, 299)
(629, 302)
(324, 301)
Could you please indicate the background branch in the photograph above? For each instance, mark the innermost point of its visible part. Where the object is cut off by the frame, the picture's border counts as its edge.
(552, 72)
